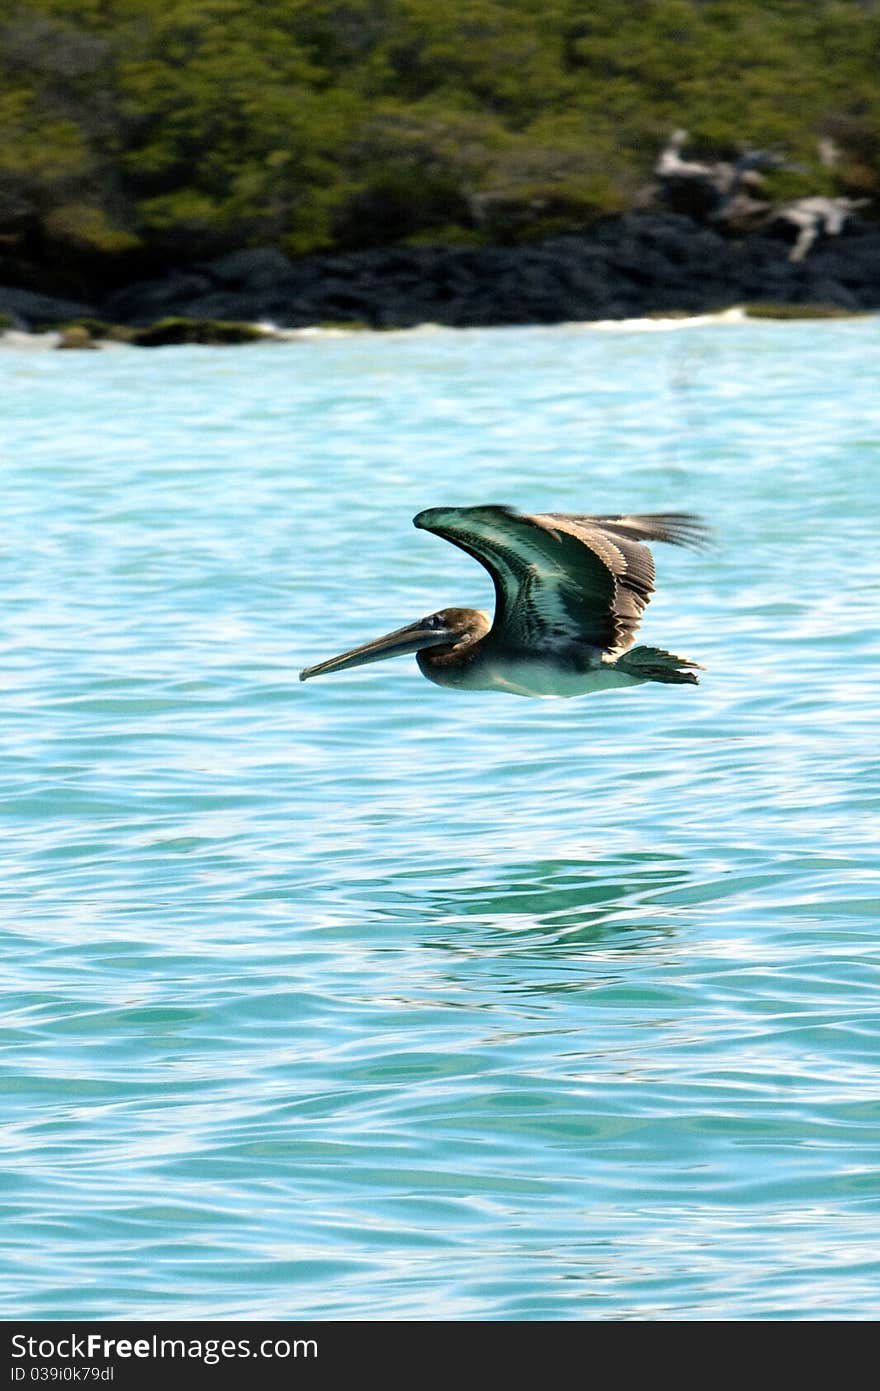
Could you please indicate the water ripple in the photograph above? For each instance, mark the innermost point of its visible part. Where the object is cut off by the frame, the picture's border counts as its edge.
(361, 999)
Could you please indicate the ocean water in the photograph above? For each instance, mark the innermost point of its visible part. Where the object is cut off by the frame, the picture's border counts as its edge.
(365, 999)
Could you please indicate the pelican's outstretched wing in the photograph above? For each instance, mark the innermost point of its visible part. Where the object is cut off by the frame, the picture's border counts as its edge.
(563, 576)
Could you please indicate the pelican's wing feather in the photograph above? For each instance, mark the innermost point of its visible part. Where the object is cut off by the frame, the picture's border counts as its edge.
(549, 583)
(560, 576)
(676, 528)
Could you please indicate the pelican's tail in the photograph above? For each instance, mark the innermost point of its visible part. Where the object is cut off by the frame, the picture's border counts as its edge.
(653, 664)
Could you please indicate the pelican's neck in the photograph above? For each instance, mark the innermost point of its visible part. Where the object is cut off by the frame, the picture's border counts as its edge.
(447, 665)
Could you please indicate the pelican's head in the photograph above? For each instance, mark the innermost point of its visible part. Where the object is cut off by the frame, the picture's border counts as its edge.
(448, 628)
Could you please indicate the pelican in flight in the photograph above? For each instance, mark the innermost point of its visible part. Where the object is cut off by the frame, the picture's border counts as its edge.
(569, 593)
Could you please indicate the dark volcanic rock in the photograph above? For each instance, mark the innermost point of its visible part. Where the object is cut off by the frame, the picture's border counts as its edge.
(258, 268)
(640, 263)
(148, 300)
(29, 310)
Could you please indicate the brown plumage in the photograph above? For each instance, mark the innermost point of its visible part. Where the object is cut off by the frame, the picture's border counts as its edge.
(570, 591)
(566, 574)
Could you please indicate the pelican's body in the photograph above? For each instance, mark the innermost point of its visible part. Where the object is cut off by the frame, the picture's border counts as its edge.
(570, 591)
(558, 674)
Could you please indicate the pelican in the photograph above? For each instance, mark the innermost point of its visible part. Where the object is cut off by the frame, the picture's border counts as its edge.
(570, 590)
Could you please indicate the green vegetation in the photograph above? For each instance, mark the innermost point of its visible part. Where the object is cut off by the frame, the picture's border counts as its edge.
(801, 311)
(171, 331)
(76, 338)
(133, 133)
(94, 329)
(217, 332)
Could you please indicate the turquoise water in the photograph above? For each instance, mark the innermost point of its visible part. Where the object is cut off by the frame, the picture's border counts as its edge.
(366, 999)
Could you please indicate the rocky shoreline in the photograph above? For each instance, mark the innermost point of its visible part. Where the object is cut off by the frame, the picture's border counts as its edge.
(633, 266)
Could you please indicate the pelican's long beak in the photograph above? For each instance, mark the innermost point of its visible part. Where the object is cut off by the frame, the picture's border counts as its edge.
(427, 632)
